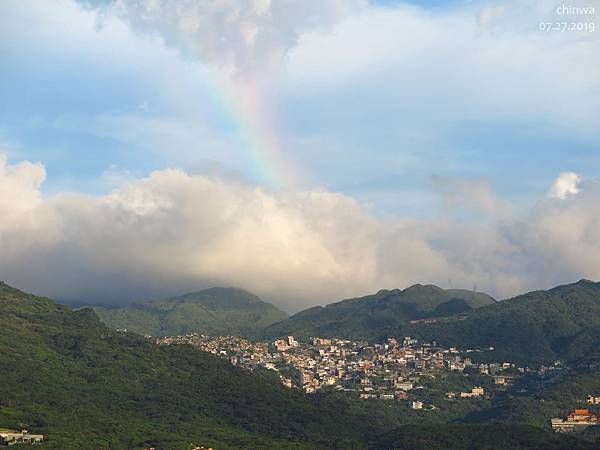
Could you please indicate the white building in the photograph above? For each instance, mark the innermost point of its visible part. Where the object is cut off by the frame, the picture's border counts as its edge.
(593, 400)
(11, 437)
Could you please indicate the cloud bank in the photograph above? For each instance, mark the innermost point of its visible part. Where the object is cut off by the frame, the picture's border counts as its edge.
(171, 231)
(372, 99)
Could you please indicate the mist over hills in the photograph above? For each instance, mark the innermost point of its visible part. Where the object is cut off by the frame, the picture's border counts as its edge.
(216, 311)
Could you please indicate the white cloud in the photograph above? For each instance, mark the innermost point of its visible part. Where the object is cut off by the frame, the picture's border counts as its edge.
(399, 68)
(566, 184)
(472, 194)
(19, 192)
(170, 232)
(440, 70)
(242, 36)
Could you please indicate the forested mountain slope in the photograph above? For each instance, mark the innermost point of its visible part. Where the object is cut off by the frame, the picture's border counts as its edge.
(379, 314)
(537, 327)
(216, 311)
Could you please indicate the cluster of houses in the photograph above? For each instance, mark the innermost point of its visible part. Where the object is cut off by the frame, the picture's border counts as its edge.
(386, 371)
(390, 370)
(11, 437)
(577, 420)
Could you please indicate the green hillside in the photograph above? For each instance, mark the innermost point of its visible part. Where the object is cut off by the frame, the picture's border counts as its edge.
(379, 314)
(86, 387)
(66, 375)
(539, 326)
(533, 328)
(216, 311)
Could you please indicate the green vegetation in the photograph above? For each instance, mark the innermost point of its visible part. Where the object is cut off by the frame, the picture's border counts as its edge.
(483, 437)
(216, 311)
(379, 314)
(66, 375)
(534, 328)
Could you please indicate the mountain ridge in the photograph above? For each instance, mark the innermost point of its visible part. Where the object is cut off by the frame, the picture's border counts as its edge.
(536, 327)
(87, 387)
(540, 325)
(218, 310)
(384, 310)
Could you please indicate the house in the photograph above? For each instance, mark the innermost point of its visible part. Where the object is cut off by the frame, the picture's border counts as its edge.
(408, 341)
(579, 419)
(475, 392)
(401, 395)
(503, 380)
(405, 385)
(417, 405)
(287, 382)
(11, 437)
(306, 377)
(281, 345)
(593, 400)
(330, 381)
(365, 396)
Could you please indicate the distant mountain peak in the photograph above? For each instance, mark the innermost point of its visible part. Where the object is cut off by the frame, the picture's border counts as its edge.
(583, 283)
(217, 297)
(379, 313)
(423, 287)
(213, 311)
(225, 289)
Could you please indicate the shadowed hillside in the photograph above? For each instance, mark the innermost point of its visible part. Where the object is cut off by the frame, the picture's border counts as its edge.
(216, 311)
(536, 327)
(66, 375)
(379, 314)
(87, 387)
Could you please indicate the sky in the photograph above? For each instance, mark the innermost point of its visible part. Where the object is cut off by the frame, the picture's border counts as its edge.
(307, 150)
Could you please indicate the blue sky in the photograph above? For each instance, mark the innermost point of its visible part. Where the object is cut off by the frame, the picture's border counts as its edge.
(375, 101)
(68, 81)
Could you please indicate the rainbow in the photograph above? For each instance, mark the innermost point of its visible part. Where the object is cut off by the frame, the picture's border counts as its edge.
(254, 131)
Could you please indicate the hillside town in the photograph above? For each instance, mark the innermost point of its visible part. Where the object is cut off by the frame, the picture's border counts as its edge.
(393, 370)
(387, 370)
